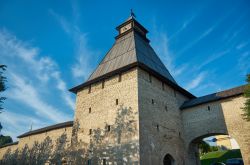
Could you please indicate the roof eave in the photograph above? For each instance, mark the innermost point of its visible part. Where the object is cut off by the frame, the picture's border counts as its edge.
(123, 69)
(48, 128)
(237, 93)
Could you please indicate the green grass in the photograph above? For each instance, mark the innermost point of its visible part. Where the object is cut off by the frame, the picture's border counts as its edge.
(219, 156)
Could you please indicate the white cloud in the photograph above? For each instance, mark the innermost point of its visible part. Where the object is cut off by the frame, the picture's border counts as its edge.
(83, 54)
(213, 57)
(241, 45)
(39, 67)
(34, 83)
(184, 26)
(243, 63)
(161, 46)
(196, 82)
(16, 123)
(197, 40)
(24, 92)
(61, 85)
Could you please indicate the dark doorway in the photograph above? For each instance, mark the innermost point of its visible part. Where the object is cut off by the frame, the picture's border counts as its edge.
(168, 160)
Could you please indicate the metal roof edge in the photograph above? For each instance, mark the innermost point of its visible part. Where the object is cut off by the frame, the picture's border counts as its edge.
(48, 128)
(123, 69)
(9, 144)
(217, 98)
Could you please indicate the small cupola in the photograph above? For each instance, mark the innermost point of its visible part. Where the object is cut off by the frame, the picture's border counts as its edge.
(131, 25)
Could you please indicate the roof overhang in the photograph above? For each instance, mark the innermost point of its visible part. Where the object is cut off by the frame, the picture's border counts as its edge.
(128, 67)
(233, 92)
(49, 128)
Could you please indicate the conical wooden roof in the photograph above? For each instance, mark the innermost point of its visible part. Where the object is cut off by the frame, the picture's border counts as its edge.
(129, 49)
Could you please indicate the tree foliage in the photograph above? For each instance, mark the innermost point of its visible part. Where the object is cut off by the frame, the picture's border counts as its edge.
(5, 140)
(117, 146)
(246, 107)
(2, 85)
(203, 147)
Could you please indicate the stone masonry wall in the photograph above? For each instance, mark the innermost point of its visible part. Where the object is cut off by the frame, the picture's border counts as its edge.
(161, 129)
(224, 117)
(108, 104)
(30, 140)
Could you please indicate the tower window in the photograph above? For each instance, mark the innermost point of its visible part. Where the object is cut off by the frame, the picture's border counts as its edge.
(116, 101)
(90, 110)
(89, 162)
(153, 102)
(120, 78)
(174, 93)
(108, 128)
(166, 108)
(162, 85)
(90, 89)
(208, 108)
(157, 127)
(104, 162)
(90, 131)
(150, 78)
(103, 84)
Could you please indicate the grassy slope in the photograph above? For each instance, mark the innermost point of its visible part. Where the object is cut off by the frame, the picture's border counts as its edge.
(219, 156)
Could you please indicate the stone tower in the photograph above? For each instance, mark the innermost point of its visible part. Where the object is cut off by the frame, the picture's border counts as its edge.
(128, 109)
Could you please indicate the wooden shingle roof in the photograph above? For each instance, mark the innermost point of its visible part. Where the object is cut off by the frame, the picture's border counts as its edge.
(214, 97)
(49, 128)
(131, 49)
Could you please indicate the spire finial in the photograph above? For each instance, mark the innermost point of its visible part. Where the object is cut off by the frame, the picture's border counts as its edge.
(132, 14)
(31, 125)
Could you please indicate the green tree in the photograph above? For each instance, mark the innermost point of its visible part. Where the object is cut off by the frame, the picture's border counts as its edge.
(5, 140)
(246, 108)
(2, 85)
(203, 147)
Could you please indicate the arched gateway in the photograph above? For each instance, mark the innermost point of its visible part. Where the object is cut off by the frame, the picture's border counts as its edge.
(168, 160)
(216, 114)
(141, 113)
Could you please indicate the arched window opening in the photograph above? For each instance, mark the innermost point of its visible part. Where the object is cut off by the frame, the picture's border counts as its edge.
(168, 160)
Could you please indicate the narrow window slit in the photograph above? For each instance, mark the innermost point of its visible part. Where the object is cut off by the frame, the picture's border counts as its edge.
(103, 84)
(104, 162)
(108, 128)
(166, 108)
(120, 78)
(150, 78)
(208, 108)
(90, 89)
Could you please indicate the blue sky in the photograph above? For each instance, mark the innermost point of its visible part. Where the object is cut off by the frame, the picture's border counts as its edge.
(50, 47)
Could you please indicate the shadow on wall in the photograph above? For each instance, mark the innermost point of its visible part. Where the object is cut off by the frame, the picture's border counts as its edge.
(116, 145)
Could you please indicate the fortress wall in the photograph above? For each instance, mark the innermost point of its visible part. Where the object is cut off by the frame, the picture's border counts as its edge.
(53, 135)
(5, 150)
(224, 117)
(104, 111)
(224, 141)
(238, 128)
(164, 112)
(199, 121)
(30, 140)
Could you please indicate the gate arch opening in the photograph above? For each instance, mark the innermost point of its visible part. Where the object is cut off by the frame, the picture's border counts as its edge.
(216, 140)
(168, 160)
